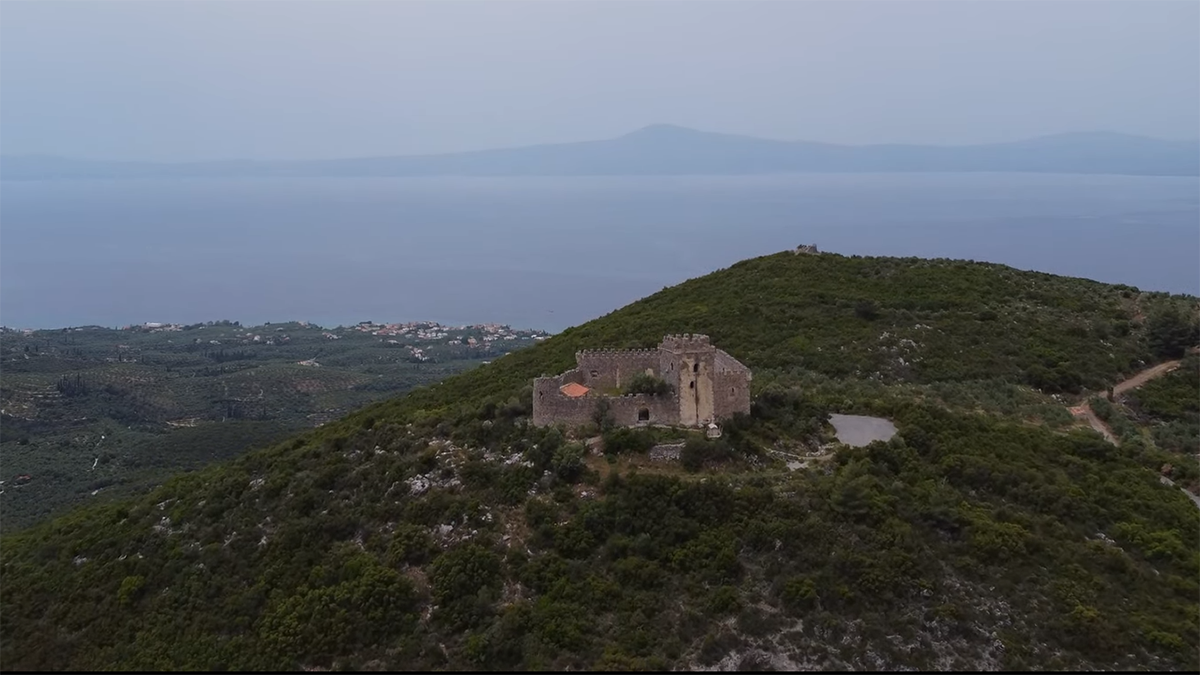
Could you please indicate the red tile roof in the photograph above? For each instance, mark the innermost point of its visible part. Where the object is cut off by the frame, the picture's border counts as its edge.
(573, 390)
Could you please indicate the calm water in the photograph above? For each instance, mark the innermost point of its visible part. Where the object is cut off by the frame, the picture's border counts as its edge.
(539, 252)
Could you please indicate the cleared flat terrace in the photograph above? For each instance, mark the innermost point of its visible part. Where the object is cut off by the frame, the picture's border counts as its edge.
(860, 430)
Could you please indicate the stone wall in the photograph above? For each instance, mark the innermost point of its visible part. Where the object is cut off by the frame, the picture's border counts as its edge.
(731, 394)
(659, 409)
(731, 387)
(613, 369)
(550, 406)
(708, 383)
(666, 452)
(573, 375)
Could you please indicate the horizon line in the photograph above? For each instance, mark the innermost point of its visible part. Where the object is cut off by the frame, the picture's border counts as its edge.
(659, 126)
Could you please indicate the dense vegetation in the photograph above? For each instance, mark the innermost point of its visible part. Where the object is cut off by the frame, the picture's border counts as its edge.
(92, 413)
(441, 531)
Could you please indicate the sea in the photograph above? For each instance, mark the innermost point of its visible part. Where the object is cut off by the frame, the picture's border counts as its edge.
(543, 253)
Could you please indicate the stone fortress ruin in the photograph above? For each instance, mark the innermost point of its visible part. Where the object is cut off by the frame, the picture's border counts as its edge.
(707, 385)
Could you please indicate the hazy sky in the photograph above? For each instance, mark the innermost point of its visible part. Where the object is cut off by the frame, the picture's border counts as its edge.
(175, 80)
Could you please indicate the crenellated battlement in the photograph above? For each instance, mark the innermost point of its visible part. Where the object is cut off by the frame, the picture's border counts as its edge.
(698, 337)
(616, 352)
(685, 342)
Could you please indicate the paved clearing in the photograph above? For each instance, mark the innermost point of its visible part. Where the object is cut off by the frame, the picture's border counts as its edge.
(859, 430)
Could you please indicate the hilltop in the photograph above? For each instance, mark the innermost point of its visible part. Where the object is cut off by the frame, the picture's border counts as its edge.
(664, 149)
(440, 530)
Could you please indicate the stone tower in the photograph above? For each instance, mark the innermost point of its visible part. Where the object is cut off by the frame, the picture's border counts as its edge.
(688, 363)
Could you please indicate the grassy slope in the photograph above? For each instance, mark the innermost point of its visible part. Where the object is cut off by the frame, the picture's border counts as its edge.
(410, 535)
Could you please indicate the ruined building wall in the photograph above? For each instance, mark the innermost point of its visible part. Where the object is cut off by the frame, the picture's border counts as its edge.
(550, 406)
(572, 375)
(708, 383)
(731, 386)
(659, 409)
(608, 369)
(731, 394)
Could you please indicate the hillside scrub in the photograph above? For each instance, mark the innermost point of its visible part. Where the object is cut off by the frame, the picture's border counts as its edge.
(939, 321)
(442, 530)
(93, 413)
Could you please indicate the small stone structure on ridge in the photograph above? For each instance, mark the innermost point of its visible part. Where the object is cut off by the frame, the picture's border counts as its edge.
(707, 385)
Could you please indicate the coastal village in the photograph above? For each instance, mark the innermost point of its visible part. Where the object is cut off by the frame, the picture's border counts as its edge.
(430, 331)
(423, 340)
(169, 376)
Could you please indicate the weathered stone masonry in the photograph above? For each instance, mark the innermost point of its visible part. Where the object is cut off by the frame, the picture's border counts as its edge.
(708, 385)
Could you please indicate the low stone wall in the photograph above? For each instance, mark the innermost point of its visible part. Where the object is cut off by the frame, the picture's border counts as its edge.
(667, 452)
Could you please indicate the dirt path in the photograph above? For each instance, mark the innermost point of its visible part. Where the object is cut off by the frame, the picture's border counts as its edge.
(1085, 413)
(1084, 410)
(1145, 376)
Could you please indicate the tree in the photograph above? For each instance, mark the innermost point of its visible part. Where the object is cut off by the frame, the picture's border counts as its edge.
(645, 383)
(1170, 333)
(567, 462)
(698, 451)
(620, 440)
(602, 415)
(464, 580)
(866, 309)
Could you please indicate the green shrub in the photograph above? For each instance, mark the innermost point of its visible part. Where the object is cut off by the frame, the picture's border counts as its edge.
(626, 440)
(645, 383)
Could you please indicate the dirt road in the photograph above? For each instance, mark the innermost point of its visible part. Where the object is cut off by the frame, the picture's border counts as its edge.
(1084, 411)
(1145, 376)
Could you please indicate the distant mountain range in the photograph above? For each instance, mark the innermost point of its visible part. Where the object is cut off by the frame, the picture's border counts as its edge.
(664, 149)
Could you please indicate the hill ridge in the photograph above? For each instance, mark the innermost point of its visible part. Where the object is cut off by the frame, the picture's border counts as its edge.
(666, 149)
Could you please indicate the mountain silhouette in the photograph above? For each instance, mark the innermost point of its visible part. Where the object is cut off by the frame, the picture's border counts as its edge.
(666, 149)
